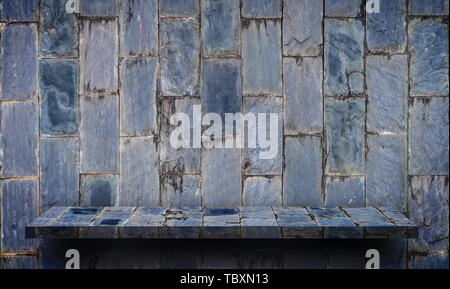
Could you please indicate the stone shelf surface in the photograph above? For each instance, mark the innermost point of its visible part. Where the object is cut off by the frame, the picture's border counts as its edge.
(243, 222)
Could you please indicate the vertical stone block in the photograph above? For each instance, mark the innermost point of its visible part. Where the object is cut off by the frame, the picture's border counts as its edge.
(344, 125)
(220, 27)
(99, 134)
(138, 27)
(105, 8)
(19, 10)
(19, 139)
(138, 96)
(58, 30)
(181, 191)
(179, 8)
(58, 97)
(139, 172)
(99, 48)
(18, 62)
(387, 90)
(345, 191)
(430, 7)
(428, 45)
(261, 56)
(308, 15)
(428, 136)
(20, 206)
(59, 164)
(344, 8)
(344, 49)
(303, 101)
(303, 171)
(262, 191)
(99, 190)
(179, 56)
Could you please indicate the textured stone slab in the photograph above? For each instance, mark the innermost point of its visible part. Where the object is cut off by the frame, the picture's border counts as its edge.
(344, 8)
(261, 9)
(344, 49)
(99, 51)
(99, 134)
(19, 62)
(261, 56)
(58, 97)
(262, 191)
(430, 7)
(181, 191)
(139, 27)
(19, 139)
(344, 125)
(345, 191)
(428, 45)
(303, 101)
(303, 171)
(99, 7)
(387, 90)
(139, 172)
(138, 115)
(179, 8)
(179, 56)
(308, 15)
(19, 10)
(99, 190)
(428, 136)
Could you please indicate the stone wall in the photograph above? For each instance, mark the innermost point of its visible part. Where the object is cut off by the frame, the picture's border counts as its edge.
(86, 101)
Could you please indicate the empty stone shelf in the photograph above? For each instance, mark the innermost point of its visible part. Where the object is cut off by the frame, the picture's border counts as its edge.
(243, 222)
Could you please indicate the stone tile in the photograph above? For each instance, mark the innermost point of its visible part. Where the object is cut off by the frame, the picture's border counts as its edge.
(19, 62)
(179, 8)
(262, 191)
(260, 214)
(428, 136)
(344, 125)
(345, 191)
(303, 171)
(261, 9)
(58, 30)
(428, 262)
(220, 211)
(99, 134)
(430, 7)
(59, 167)
(361, 211)
(307, 14)
(428, 45)
(58, 97)
(138, 115)
(261, 56)
(303, 101)
(179, 56)
(386, 31)
(327, 213)
(344, 8)
(387, 90)
(20, 205)
(20, 262)
(290, 211)
(386, 171)
(99, 49)
(220, 27)
(19, 10)
(138, 27)
(344, 49)
(99, 7)
(181, 191)
(139, 172)
(99, 190)
(19, 139)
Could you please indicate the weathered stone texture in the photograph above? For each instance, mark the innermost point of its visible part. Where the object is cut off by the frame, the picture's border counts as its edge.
(20, 262)
(19, 10)
(99, 7)
(181, 191)
(261, 9)
(429, 262)
(179, 8)
(262, 191)
(429, 7)
(99, 190)
(343, 8)
(345, 191)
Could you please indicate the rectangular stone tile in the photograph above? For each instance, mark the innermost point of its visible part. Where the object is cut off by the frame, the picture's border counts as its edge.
(59, 167)
(261, 9)
(386, 171)
(19, 62)
(58, 30)
(230, 219)
(260, 228)
(19, 10)
(387, 90)
(138, 27)
(220, 27)
(220, 230)
(345, 191)
(139, 172)
(428, 45)
(181, 191)
(290, 211)
(265, 157)
(303, 101)
(430, 7)
(99, 7)
(179, 56)
(344, 49)
(428, 136)
(308, 15)
(302, 171)
(58, 97)
(267, 213)
(20, 205)
(325, 213)
(386, 31)
(99, 51)
(262, 191)
(344, 125)
(220, 211)
(19, 139)
(99, 190)
(361, 211)
(344, 8)
(53, 212)
(286, 219)
(138, 115)
(261, 56)
(99, 134)
(179, 8)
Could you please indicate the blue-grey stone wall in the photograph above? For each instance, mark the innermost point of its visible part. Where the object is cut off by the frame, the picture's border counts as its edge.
(362, 99)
